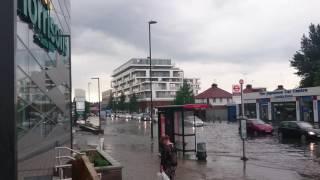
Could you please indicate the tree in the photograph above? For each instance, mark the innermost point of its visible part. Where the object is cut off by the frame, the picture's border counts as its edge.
(133, 103)
(75, 112)
(307, 60)
(122, 102)
(86, 109)
(184, 95)
(111, 102)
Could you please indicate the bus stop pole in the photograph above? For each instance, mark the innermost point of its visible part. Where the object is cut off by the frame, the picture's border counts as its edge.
(243, 127)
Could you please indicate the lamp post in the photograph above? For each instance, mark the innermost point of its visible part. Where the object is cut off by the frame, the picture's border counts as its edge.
(96, 78)
(89, 83)
(150, 77)
(243, 124)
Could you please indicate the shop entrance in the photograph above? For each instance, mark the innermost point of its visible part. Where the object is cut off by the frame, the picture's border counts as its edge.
(264, 111)
(284, 111)
(306, 109)
(250, 110)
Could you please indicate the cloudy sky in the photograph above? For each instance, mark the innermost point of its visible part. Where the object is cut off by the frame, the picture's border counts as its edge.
(217, 41)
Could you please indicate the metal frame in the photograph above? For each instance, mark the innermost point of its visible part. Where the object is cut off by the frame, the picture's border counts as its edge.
(59, 165)
(8, 136)
(171, 110)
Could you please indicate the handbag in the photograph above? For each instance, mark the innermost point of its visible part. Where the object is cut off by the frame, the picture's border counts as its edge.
(162, 176)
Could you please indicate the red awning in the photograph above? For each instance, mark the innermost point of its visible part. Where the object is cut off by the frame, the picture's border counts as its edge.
(196, 106)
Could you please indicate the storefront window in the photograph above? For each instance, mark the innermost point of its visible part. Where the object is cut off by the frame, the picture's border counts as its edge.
(284, 111)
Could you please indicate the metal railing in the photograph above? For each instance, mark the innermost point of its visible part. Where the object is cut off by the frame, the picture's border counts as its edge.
(60, 165)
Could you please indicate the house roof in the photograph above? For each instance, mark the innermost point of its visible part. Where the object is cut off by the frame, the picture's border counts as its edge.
(214, 92)
(250, 89)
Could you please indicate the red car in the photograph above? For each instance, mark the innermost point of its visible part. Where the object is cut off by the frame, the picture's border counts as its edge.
(257, 126)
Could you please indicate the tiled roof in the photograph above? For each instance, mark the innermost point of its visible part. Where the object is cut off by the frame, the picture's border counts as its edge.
(214, 92)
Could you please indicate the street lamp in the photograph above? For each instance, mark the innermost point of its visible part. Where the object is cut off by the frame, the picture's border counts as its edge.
(150, 77)
(89, 83)
(96, 78)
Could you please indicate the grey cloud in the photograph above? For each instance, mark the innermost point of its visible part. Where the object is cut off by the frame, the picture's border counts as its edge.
(247, 32)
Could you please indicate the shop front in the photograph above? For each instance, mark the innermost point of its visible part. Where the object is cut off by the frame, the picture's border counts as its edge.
(300, 104)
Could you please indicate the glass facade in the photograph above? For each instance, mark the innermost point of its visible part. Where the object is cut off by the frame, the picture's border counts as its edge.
(43, 95)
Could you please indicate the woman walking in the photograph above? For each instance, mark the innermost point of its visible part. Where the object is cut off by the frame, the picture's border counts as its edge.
(169, 159)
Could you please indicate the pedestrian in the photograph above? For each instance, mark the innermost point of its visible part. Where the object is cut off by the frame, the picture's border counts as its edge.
(169, 160)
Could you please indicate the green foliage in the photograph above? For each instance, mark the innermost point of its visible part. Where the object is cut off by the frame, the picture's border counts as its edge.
(97, 159)
(86, 109)
(111, 104)
(133, 104)
(122, 102)
(76, 115)
(184, 95)
(307, 60)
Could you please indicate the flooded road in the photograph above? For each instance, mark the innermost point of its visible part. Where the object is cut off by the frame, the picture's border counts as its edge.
(129, 142)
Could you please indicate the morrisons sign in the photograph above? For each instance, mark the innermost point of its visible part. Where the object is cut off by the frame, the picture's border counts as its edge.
(47, 34)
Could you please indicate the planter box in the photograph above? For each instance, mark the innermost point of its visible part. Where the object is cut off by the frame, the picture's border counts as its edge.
(110, 169)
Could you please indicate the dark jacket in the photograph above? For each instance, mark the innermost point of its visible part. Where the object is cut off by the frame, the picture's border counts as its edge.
(168, 156)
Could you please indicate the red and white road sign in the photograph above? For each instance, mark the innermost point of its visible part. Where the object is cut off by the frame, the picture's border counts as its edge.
(241, 81)
(236, 89)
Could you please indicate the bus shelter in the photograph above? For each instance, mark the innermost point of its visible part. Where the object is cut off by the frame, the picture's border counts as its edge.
(179, 123)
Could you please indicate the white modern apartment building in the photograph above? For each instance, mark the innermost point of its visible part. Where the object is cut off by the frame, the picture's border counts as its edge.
(194, 84)
(133, 78)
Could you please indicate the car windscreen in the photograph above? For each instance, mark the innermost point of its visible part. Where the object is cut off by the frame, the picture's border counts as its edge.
(305, 125)
(258, 121)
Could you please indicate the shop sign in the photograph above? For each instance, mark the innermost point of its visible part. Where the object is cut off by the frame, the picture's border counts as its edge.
(285, 93)
(236, 89)
(47, 34)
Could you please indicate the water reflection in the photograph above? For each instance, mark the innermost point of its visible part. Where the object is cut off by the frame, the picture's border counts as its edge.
(312, 146)
(145, 125)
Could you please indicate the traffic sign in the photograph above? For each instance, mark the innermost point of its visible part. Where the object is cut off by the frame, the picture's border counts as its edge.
(236, 89)
(241, 81)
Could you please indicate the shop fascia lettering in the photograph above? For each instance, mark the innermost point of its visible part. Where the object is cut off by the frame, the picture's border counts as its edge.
(47, 34)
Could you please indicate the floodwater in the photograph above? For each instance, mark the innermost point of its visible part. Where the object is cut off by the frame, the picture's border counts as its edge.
(129, 142)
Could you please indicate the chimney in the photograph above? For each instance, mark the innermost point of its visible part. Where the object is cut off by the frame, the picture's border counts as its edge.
(280, 87)
(249, 86)
(214, 85)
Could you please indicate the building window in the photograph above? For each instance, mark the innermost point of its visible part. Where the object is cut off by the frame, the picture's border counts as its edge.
(214, 100)
(221, 100)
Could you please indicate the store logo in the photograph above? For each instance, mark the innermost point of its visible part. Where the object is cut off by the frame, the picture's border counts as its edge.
(47, 34)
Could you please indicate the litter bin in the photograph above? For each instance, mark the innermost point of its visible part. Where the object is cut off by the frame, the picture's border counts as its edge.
(201, 151)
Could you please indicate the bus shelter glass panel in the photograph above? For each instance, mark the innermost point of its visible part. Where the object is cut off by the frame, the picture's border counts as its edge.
(189, 131)
(178, 130)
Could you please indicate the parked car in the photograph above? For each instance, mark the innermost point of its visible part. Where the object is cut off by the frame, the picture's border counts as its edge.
(128, 116)
(194, 121)
(257, 126)
(146, 117)
(140, 116)
(298, 129)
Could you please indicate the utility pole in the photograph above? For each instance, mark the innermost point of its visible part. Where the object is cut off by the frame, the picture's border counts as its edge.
(150, 76)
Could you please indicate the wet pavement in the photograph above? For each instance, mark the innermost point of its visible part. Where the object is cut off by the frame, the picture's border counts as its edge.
(129, 143)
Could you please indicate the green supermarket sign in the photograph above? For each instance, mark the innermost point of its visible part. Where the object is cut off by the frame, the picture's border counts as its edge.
(47, 34)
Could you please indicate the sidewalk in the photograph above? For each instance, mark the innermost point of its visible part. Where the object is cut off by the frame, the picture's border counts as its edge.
(130, 144)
